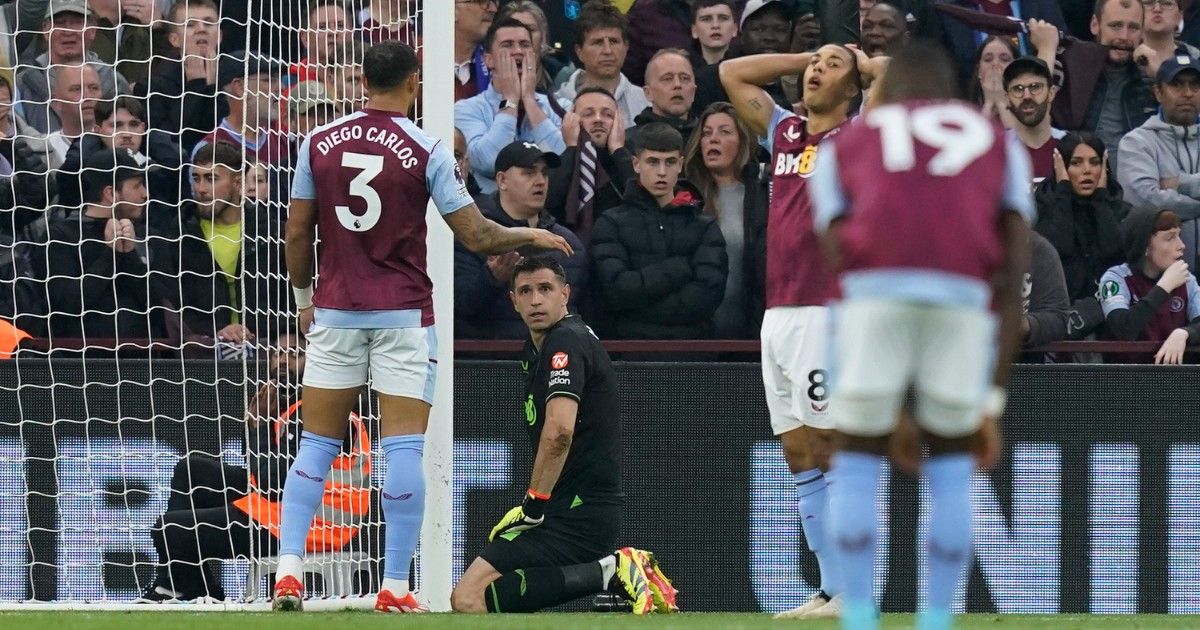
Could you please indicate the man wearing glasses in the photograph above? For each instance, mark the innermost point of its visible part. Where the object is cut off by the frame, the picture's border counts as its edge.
(472, 19)
(1030, 93)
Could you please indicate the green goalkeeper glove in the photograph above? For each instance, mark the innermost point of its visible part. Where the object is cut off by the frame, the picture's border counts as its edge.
(524, 517)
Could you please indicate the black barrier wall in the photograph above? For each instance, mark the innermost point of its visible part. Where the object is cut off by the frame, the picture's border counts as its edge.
(1096, 506)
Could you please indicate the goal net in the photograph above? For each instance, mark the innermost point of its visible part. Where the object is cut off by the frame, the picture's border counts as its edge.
(147, 422)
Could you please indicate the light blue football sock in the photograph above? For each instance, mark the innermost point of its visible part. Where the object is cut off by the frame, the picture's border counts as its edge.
(854, 529)
(949, 541)
(812, 497)
(403, 502)
(303, 489)
(935, 620)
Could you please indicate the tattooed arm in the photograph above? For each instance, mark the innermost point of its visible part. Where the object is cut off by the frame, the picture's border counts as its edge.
(742, 77)
(484, 236)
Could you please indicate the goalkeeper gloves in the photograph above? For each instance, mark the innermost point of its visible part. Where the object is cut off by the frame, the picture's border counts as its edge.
(524, 517)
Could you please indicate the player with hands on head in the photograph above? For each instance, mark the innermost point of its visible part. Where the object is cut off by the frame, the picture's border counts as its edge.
(799, 283)
(1153, 296)
(366, 180)
(919, 274)
(557, 545)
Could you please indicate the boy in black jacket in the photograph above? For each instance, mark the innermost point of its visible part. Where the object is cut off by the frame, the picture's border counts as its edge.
(660, 264)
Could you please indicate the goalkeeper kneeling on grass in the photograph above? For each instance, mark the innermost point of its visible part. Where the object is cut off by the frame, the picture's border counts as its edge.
(219, 512)
(558, 544)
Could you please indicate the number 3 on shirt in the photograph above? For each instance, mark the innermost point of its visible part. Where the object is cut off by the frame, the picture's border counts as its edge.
(960, 136)
(368, 166)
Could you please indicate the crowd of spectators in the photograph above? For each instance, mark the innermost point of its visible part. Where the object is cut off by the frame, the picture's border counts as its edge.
(145, 157)
(145, 153)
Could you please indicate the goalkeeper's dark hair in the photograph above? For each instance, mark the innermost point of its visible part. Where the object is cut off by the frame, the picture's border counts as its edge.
(537, 263)
(220, 153)
(388, 64)
(107, 107)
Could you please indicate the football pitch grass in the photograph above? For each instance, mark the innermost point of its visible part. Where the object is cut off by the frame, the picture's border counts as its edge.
(364, 620)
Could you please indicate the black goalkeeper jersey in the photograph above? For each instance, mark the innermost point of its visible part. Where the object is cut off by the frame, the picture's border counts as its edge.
(573, 363)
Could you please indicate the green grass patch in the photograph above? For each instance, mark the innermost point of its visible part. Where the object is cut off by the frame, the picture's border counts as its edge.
(183, 620)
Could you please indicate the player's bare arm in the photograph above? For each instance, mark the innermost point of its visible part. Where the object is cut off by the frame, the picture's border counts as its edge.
(484, 236)
(299, 236)
(553, 448)
(742, 78)
(552, 451)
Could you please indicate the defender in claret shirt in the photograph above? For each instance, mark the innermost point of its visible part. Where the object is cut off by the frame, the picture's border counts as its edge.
(557, 545)
(365, 180)
(919, 270)
(795, 328)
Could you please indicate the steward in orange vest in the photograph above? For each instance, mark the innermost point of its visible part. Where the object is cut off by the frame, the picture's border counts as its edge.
(217, 512)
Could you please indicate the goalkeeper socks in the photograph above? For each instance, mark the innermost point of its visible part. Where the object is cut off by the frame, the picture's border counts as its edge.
(813, 500)
(403, 503)
(608, 568)
(949, 540)
(303, 490)
(854, 526)
(531, 590)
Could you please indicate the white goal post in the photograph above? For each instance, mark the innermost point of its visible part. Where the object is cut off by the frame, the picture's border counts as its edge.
(87, 447)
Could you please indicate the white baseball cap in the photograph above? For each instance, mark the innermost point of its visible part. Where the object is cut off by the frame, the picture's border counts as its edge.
(753, 7)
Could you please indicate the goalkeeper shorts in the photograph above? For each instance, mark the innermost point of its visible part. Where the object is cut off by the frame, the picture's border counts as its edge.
(585, 533)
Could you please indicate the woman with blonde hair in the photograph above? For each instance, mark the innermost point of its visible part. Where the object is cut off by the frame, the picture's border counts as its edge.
(719, 162)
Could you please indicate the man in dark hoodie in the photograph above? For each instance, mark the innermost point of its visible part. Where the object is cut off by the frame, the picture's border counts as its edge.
(482, 309)
(1153, 296)
(660, 264)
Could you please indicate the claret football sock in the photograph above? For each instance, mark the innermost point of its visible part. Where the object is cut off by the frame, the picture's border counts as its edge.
(304, 488)
(812, 497)
(403, 504)
(949, 540)
(531, 590)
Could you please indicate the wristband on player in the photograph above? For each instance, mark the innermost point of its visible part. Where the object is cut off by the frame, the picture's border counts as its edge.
(993, 403)
(303, 297)
(534, 505)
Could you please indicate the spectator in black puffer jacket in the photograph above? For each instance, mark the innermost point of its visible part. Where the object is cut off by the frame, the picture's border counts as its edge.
(661, 265)
(1079, 212)
(482, 308)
